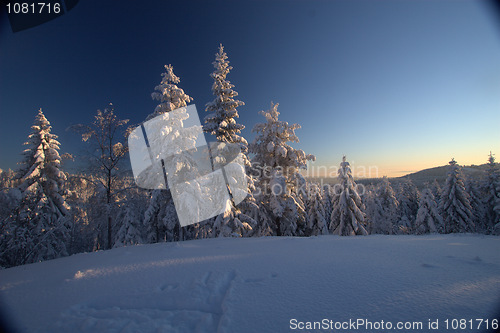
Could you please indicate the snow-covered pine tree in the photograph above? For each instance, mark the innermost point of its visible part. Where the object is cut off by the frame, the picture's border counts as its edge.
(9, 196)
(491, 189)
(39, 226)
(221, 123)
(129, 221)
(455, 205)
(408, 197)
(328, 200)
(230, 224)
(347, 217)
(155, 231)
(7, 178)
(436, 190)
(373, 210)
(496, 228)
(276, 166)
(383, 221)
(160, 218)
(428, 218)
(286, 208)
(168, 94)
(478, 207)
(317, 221)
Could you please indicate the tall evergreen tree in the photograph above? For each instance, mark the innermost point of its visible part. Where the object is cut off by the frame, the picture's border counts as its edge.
(383, 209)
(160, 219)
(436, 190)
(39, 226)
(408, 197)
(130, 214)
(373, 210)
(347, 217)
(328, 196)
(9, 197)
(428, 218)
(276, 165)
(455, 205)
(169, 95)
(479, 216)
(492, 194)
(7, 178)
(221, 123)
(317, 220)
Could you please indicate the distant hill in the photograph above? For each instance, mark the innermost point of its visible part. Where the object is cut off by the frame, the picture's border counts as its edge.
(439, 173)
(418, 178)
(421, 177)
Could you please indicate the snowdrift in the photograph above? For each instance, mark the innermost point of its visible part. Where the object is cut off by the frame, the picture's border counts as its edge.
(261, 285)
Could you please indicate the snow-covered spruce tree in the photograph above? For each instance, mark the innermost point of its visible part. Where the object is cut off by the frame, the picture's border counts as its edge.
(160, 218)
(373, 210)
(7, 178)
(384, 217)
(347, 217)
(455, 205)
(39, 226)
(276, 166)
(155, 230)
(428, 218)
(168, 94)
(328, 196)
(478, 207)
(408, 197)
(491, 189)
(9, 196)
(106, 157)
(436, 190)
(129, 231)
(316, 221)
(221, 123)
(130, 214)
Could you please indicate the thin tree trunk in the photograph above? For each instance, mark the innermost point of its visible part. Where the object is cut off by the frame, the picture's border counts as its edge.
(109, 208)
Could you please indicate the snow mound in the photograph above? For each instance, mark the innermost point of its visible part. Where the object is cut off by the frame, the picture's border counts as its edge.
(257, 284)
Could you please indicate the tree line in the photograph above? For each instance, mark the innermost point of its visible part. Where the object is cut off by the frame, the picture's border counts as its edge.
(47, 213)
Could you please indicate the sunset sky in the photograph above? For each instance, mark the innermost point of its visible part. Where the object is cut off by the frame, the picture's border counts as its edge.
(397, 86)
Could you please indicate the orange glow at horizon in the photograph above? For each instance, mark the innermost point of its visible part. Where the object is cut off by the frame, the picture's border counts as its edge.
(392, 168)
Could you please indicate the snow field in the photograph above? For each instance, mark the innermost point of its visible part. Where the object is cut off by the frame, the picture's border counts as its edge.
(257, 284)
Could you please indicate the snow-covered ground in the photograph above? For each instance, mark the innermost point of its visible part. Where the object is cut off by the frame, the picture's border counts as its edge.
(260, 285)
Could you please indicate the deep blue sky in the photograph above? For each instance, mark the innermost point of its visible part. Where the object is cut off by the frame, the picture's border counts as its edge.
(400, 85)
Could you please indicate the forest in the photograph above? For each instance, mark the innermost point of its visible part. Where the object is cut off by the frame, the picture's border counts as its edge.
(47, 212)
